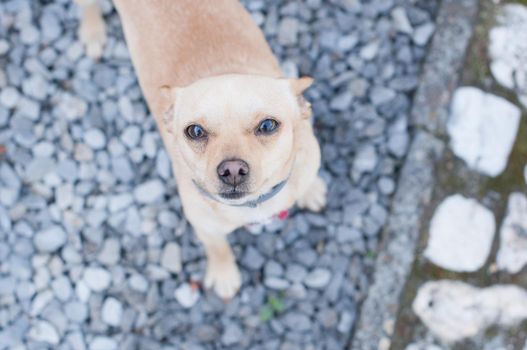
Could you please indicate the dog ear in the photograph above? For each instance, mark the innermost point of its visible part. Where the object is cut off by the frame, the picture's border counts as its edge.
(298, 86)
(169, 94)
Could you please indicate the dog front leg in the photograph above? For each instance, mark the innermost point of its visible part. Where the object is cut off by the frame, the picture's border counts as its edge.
(92, 31)
(222, 273)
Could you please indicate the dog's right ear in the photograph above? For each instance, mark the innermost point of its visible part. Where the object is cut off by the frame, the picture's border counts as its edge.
(169, 94)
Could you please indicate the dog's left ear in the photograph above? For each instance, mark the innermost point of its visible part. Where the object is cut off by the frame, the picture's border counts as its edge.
(169, 94)
(298, 86)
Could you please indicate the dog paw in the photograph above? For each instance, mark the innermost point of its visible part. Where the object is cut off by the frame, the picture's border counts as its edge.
(92, 33)
(224, 278)
(315, 198)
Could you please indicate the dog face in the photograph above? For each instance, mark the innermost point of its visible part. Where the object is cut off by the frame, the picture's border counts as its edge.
(235, 133)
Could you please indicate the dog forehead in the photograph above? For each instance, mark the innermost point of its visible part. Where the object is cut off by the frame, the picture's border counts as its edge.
(237, 94)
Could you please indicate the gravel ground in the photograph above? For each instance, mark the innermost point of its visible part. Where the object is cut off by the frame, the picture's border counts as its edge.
(94, 251)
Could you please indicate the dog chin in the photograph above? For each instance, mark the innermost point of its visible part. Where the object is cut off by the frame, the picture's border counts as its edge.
(233, 195)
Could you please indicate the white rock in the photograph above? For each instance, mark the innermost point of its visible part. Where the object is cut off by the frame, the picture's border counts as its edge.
(318, 278)
(508, 49)
(512, 254)
(40, 301)
(50, 239)
(62, 288)
(401, 21)
(171, 257)
(138, 283)
(96, 278)
(365, 160)
(120, 201)
(43, 331)
(186, 295)
(110, 252)
(149, 192)
(112, 312)
(454, 310)
(95, 138)
(9, 97)
(461, 234)
(131, 136)
(482, 129)
(423, 33)
(103, 343)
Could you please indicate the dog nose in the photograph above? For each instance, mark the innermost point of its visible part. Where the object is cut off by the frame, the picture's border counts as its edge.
(233, 172)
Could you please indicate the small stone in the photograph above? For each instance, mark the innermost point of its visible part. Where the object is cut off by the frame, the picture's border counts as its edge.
(186, 295)
(168, 219)
(62, 288)
(346, 322)
(346, 234)
(512, 254)
(341, 102)
(95, 139)
(4, 47)
(9, 97)
(365, 160)
(297, 322)
(110, 252)
(112, 312)
(386, 185)
(171, 257)
(276, 283)
(288, 31)
(97, 279)
(72, 107)
(149, 192)
(120, 202)
(461, 234)
(423, 33)
(131, 136)
(50, 239)
(347, 42)
(43, 331)
(318, 278)
(163, 165)
(253, 259)
(103, 343)
(7, 285)
(398, 144)
(232, 334)
(370, 51)
(380, 95)
(138, 283)
(401, 21)
(76, 311)
(295, 273)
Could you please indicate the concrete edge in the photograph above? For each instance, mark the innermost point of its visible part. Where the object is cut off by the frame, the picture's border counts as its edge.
(441, 75)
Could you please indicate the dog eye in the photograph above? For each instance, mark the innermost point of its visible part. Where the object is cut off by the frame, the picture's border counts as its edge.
(195, 132)
(267, 126)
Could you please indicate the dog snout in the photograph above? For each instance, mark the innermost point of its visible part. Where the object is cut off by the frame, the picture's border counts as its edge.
(233, 172)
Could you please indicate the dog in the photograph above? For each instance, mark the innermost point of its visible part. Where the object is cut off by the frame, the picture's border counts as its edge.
(237, 131)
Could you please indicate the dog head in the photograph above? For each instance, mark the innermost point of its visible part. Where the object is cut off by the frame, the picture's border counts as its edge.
(236, 133)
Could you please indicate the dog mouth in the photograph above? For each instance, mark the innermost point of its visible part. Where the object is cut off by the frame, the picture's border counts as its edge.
(233, 194)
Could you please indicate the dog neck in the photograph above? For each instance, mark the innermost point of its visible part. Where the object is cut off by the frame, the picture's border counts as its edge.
(249, 204)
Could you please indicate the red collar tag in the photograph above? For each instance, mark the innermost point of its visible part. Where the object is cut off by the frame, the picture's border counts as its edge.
(284, 214)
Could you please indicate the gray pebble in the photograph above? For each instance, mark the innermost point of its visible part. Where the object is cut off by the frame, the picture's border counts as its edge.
(50, 239)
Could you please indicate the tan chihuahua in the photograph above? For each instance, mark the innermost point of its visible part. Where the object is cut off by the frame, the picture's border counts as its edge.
(237, 132)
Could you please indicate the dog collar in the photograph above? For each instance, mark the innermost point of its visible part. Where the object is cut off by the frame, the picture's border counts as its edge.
(249, 204)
